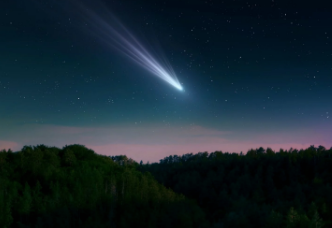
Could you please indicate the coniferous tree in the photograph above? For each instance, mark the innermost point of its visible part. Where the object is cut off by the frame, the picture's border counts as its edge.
(316, 221)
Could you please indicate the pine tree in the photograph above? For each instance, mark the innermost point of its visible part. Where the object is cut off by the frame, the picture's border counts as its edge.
(292, 218)
(5, 209)
(316, 221)
(69, 157)
(26, 200)
(38, 205)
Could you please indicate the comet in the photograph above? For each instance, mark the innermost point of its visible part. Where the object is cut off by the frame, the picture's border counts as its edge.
(116, 35)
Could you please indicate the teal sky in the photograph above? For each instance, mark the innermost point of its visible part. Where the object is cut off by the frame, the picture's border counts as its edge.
(253, 76)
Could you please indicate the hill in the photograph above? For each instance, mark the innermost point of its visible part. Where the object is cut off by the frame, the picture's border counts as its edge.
(44, 186)
(74, 187)
(260, 189)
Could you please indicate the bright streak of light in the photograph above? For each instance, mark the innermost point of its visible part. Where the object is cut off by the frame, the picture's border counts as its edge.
(126, 43)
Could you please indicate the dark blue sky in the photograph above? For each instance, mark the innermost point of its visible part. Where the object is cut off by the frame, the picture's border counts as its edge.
(255, 74)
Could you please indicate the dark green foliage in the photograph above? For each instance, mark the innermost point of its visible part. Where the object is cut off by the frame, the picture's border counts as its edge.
(260, 189)
(74, 187)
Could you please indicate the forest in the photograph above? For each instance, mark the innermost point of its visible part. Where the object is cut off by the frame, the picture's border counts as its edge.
(43, 186)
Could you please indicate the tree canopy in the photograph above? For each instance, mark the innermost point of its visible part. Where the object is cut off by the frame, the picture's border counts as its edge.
(262, 188)
(44, 186)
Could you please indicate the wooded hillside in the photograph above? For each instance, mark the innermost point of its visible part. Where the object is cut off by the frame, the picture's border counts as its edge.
(74, 187)
(260, 189)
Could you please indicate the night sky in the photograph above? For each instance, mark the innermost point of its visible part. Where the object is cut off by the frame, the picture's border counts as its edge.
(254, 73)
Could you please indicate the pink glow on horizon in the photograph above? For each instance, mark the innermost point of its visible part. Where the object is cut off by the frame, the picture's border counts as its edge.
(153, 142)
(153, 153)
(8, 145)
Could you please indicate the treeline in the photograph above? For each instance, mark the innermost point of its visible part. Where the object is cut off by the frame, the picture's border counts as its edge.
(44, 186)
(262, 188)
(74, 187)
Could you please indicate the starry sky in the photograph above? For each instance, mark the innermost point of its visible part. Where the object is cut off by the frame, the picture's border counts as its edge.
(254, 73)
